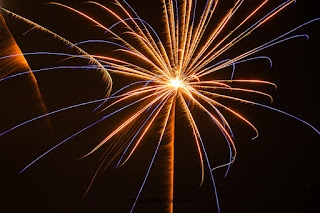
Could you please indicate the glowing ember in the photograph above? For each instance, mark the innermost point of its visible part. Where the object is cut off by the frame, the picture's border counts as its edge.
(176, 83)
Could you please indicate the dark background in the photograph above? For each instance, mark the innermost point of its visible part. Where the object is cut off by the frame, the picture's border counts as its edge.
(275, 173)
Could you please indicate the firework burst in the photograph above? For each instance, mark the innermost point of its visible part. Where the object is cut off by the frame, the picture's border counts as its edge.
(174, 73)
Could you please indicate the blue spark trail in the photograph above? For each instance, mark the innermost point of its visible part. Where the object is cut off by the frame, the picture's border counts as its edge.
(51, 113)
(208, 163)
(292, 116)
(219, 63)
(194, 12)
(254, 58)
(224, 134)
(281, 41)
(59, 144)
(211, 174)
(125, 107)
(123, 88)
(144, 23)
(142, 126)
(44, 53)
(77, 133)
(153, 158)
(263, 18)
(50, 68)
(146, 177)
(275, 41)
(293, 30)
(67, 108)
(229, 147)
(250, 59)
(102, 41)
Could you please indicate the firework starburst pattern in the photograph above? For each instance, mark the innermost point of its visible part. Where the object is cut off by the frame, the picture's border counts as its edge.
(183, 69)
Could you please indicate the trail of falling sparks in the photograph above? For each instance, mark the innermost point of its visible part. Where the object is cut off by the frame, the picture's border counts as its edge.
(170, 76)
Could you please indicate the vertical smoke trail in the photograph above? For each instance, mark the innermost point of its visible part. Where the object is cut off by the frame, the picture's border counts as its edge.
(168, 149)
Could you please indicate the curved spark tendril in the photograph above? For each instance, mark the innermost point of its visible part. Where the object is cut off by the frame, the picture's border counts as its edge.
(169, 73)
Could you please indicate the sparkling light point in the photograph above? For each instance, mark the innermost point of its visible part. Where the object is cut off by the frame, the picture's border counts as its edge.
(176, 83)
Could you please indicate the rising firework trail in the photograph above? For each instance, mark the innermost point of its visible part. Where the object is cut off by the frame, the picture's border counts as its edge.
(176, 72)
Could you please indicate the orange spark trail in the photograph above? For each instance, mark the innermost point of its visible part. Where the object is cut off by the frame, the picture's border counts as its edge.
(18, 64)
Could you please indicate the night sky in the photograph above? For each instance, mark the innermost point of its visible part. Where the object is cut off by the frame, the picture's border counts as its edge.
(277, 172)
